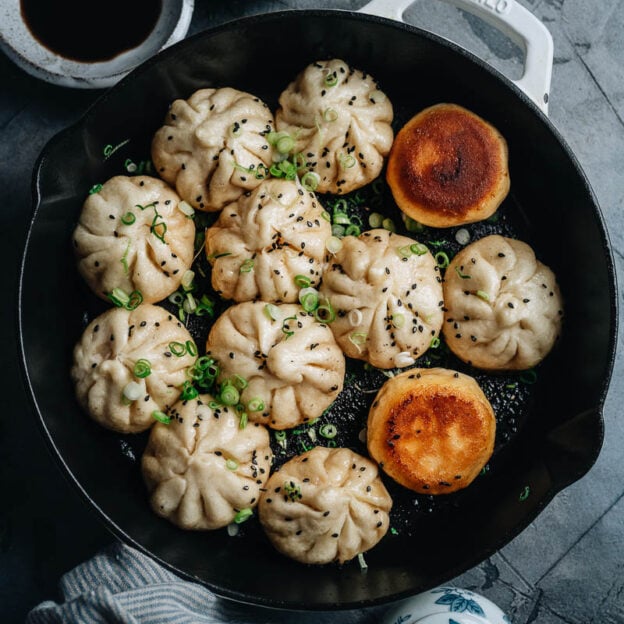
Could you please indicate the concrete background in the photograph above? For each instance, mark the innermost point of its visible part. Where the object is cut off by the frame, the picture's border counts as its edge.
(565, 568)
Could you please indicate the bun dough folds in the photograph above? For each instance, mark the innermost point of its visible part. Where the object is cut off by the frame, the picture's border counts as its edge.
(448, 166)
(325, 505)
(388, 300)
(504, 308)
(132, 235)
(261, 242)
(340, 121)
(201, 469)
(212, 147)
(104, 361)
(432, 429)
(292, 364)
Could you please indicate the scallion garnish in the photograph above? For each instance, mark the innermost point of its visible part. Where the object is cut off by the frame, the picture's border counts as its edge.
(388, 224)
(247, 266)
(483, 295)
(418, 249)
(186, 209)
(442, 259)
(375, 219)
(435, 342)
(133, 391)
(292, 491)
(398, 320)
(96, 188)
(331, 80)
(302, 281)
(243, 515)
(411, 225)
(462, 275)
(189, 391)
(161, 417)
(158, 228)
(142, 368)
(346, 161)
(309, 299)
(128, 218)
(177, 348)
(333, 244)
(229, 395)
(271, 311)
(231, 464)
(286, 327)
(325, 313)
(329, 114)
(255, 405)
(242, 420)
(310, 181)
(358, 339)
(191, 348)
(122, 300)
(328, 431)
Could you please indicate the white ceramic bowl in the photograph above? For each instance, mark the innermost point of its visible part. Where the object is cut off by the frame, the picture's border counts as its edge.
(24, 49)
(446, 605)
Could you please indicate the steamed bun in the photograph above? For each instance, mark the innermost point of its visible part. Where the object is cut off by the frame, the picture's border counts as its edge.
(212, 147)
(105, 356)
(201, 469)
(504, 308)
(341, 123)
(132, 235)
(261, 242)
(293, 366)
(388, 300)
(325, 505)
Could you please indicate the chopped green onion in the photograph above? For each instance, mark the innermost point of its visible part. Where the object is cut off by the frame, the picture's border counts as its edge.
(353, 230)
(247, 266)
(388, 224)
(524, 494)
(239, 382)
(325, 313)
(255, 405)
(124, 258)
(329, 114)
(286, 328)
(243, 515)
(483, 295)
(159, 229)
(346, 161)
(462, 236)
(358, 339)
(186, 208)
(219, 255)
(435, 342)
(187, 280)
(309, 299)
(96, 188)
(362, 562)
(375, 219)
(355, 317)
(231, 464)
(442, 260)
(161, 417)
(412, 225)
(177, 348)
(326, 216)
(338, 231)
(176, 298)
(229, 395)
(462, 275)
(133, 391)
(302, 281)
(191, 348)
(310, 181)
(328, 431)
(280, 435)
(272, 312)
(122, 300)
(405, 251)
(189, 391)
(402, 359)
(418, 249)
(142, 368)
(242, 422)
(331, 80)
(284, 144)
(128, 218)
(333, 244)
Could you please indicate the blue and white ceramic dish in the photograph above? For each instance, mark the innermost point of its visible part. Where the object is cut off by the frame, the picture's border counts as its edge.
(447, 605)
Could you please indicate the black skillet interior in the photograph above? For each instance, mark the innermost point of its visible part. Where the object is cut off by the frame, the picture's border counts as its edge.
(550, 432)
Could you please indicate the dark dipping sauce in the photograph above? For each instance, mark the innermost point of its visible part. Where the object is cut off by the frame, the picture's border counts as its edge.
(90, 32)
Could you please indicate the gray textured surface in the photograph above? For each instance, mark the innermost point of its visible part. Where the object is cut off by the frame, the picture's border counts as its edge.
(567, 567)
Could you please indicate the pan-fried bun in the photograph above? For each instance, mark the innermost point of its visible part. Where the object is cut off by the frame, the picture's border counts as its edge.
(431, 429)
(212, 147)
(132, 236)
(503, 306)
(202, 469)
(448, 166)
(325, 505)
(104, 364)
(340, 121)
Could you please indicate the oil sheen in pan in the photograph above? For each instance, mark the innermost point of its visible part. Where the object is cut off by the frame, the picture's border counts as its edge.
(510, 394)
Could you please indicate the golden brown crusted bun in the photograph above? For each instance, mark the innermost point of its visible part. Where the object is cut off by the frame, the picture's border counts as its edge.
(448, 167)
(432, 430)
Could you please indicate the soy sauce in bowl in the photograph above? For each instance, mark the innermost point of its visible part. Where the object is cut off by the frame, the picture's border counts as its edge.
(89, 32)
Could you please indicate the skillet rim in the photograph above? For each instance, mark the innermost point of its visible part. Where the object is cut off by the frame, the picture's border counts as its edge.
(82, 122)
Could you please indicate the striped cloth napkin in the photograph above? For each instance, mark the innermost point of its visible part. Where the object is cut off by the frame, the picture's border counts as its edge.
(122, 585)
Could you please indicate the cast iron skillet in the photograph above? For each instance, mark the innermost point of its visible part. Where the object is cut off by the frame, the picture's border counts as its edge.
(549, 437)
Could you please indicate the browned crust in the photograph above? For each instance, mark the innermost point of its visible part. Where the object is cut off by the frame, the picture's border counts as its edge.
(431, 432)
(448, 166)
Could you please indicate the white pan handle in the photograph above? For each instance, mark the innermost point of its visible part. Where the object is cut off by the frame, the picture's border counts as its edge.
(513, 20)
